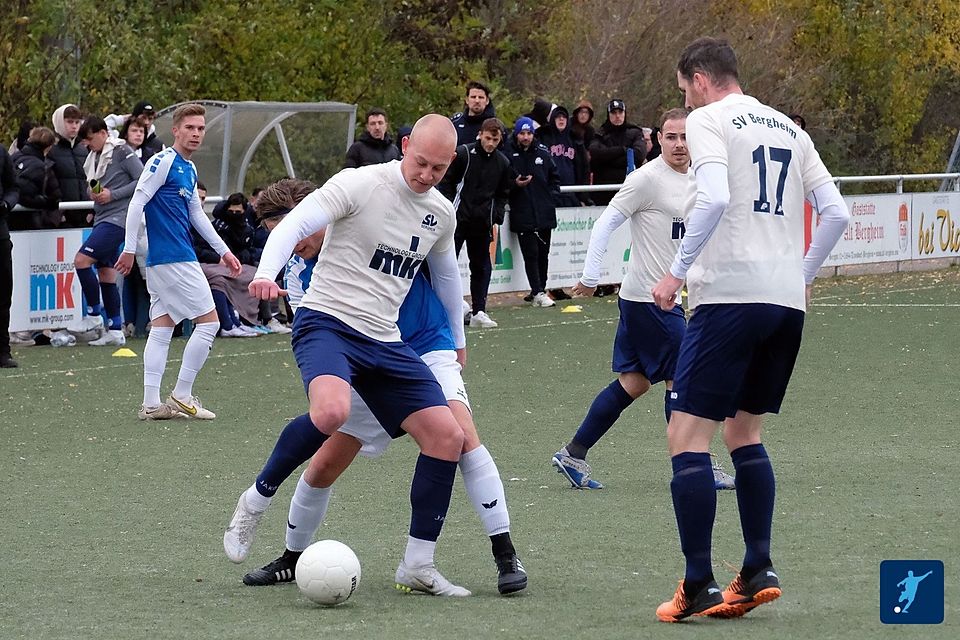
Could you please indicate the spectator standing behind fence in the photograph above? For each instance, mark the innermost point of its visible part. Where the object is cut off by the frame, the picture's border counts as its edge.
(533, 213)
(112, 170)
(134, 132)
(478, 183)
(580, 128)
(477, 108)
(8, 200)
(68, 155)
(612, 147)
(39, 190)
(568, 154)
(375, 145)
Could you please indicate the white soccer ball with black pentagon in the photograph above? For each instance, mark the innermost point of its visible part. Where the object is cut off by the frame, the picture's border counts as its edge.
(328, 572)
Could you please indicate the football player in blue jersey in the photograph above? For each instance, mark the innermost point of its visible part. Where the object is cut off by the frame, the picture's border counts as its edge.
(424, 326)
(166, 195)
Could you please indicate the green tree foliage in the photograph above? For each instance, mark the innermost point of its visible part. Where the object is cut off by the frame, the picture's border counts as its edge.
(878, 80)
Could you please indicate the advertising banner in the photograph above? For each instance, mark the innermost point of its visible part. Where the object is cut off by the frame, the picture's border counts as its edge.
(46, 292)
(936, 225)
(568, 251)
(879, 230)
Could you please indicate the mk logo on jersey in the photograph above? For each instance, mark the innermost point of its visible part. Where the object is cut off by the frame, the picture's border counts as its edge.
(397, 262)
(429, 221)
(679, 229)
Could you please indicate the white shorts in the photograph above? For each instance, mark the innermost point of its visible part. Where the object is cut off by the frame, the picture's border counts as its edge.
(365, 428)
(179, 290)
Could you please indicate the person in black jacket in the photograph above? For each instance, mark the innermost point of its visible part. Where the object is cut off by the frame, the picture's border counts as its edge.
(68, 155)
(8, 200)
(533, 209)
(569, 155)
(477, 109)
(610, 149)
(478, 184)
(375, 146)
(37, 183)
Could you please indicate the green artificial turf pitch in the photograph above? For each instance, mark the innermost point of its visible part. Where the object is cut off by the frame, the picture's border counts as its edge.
(111, 527)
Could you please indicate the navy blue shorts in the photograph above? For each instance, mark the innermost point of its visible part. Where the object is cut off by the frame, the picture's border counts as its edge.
(104, 244)
(389, 376)
(736, 357)
(648, 340)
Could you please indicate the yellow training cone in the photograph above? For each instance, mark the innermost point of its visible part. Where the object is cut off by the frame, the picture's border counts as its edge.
(572, 308)
(124, 353)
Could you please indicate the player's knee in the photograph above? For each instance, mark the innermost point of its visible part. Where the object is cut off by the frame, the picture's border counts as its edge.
(635, 384)
(329, 415)
(449, 439)
(81, 261)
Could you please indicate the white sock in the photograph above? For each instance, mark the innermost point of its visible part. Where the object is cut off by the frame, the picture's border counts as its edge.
(154, 362)
(481, 479)
(419, 553)
(194, 355)
(256, 500)
(307, 510)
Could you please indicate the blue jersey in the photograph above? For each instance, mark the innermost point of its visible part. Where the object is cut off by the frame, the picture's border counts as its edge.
(171, 182)
(422, 319)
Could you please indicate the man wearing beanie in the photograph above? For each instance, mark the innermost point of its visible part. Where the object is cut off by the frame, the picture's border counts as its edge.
(609, 149)
(533, 213)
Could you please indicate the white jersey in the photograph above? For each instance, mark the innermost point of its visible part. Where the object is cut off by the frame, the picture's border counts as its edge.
(756, 251)
(655, 198)
(381, 233)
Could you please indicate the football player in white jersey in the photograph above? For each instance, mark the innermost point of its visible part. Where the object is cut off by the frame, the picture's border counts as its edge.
(748, 281)
(424, 326)
(167, 197)
(654, 200)
(382, 221)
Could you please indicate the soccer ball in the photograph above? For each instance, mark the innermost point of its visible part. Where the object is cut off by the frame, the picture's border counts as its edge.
(328, 572)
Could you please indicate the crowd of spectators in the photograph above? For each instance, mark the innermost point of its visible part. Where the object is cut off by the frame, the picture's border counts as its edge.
(499, 169)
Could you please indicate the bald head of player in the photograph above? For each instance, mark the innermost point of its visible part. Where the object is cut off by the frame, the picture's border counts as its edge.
(707, 72)
(428, 151)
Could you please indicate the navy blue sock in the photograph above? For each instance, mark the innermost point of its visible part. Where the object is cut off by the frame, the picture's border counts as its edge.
(223, 309)
(605, 410)
(430, 496)
(668, 404)
(756, 490)
(695, 504)
(90, 287)
(111, 303)
(297, 443)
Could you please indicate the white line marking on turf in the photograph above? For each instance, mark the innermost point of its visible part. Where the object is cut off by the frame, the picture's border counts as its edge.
(138, 362)
(879, 292)
(885, 304)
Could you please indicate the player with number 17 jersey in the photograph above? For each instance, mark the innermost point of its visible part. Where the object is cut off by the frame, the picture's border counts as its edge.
(756, 251)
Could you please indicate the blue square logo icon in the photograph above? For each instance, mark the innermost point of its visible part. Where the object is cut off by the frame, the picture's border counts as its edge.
(911, 592)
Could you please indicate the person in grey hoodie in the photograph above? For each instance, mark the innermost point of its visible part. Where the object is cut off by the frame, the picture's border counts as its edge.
(112, 170)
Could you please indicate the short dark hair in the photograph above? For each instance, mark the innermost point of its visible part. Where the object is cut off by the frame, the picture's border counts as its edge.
(473, 84)
(256, 191)
(235, 199)
(133, 121)
(90, 126)
(200, 185)
(376, 111)
(712, 57)
(72, 113)
(679, 113)
(799, 119)
(492, 124)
